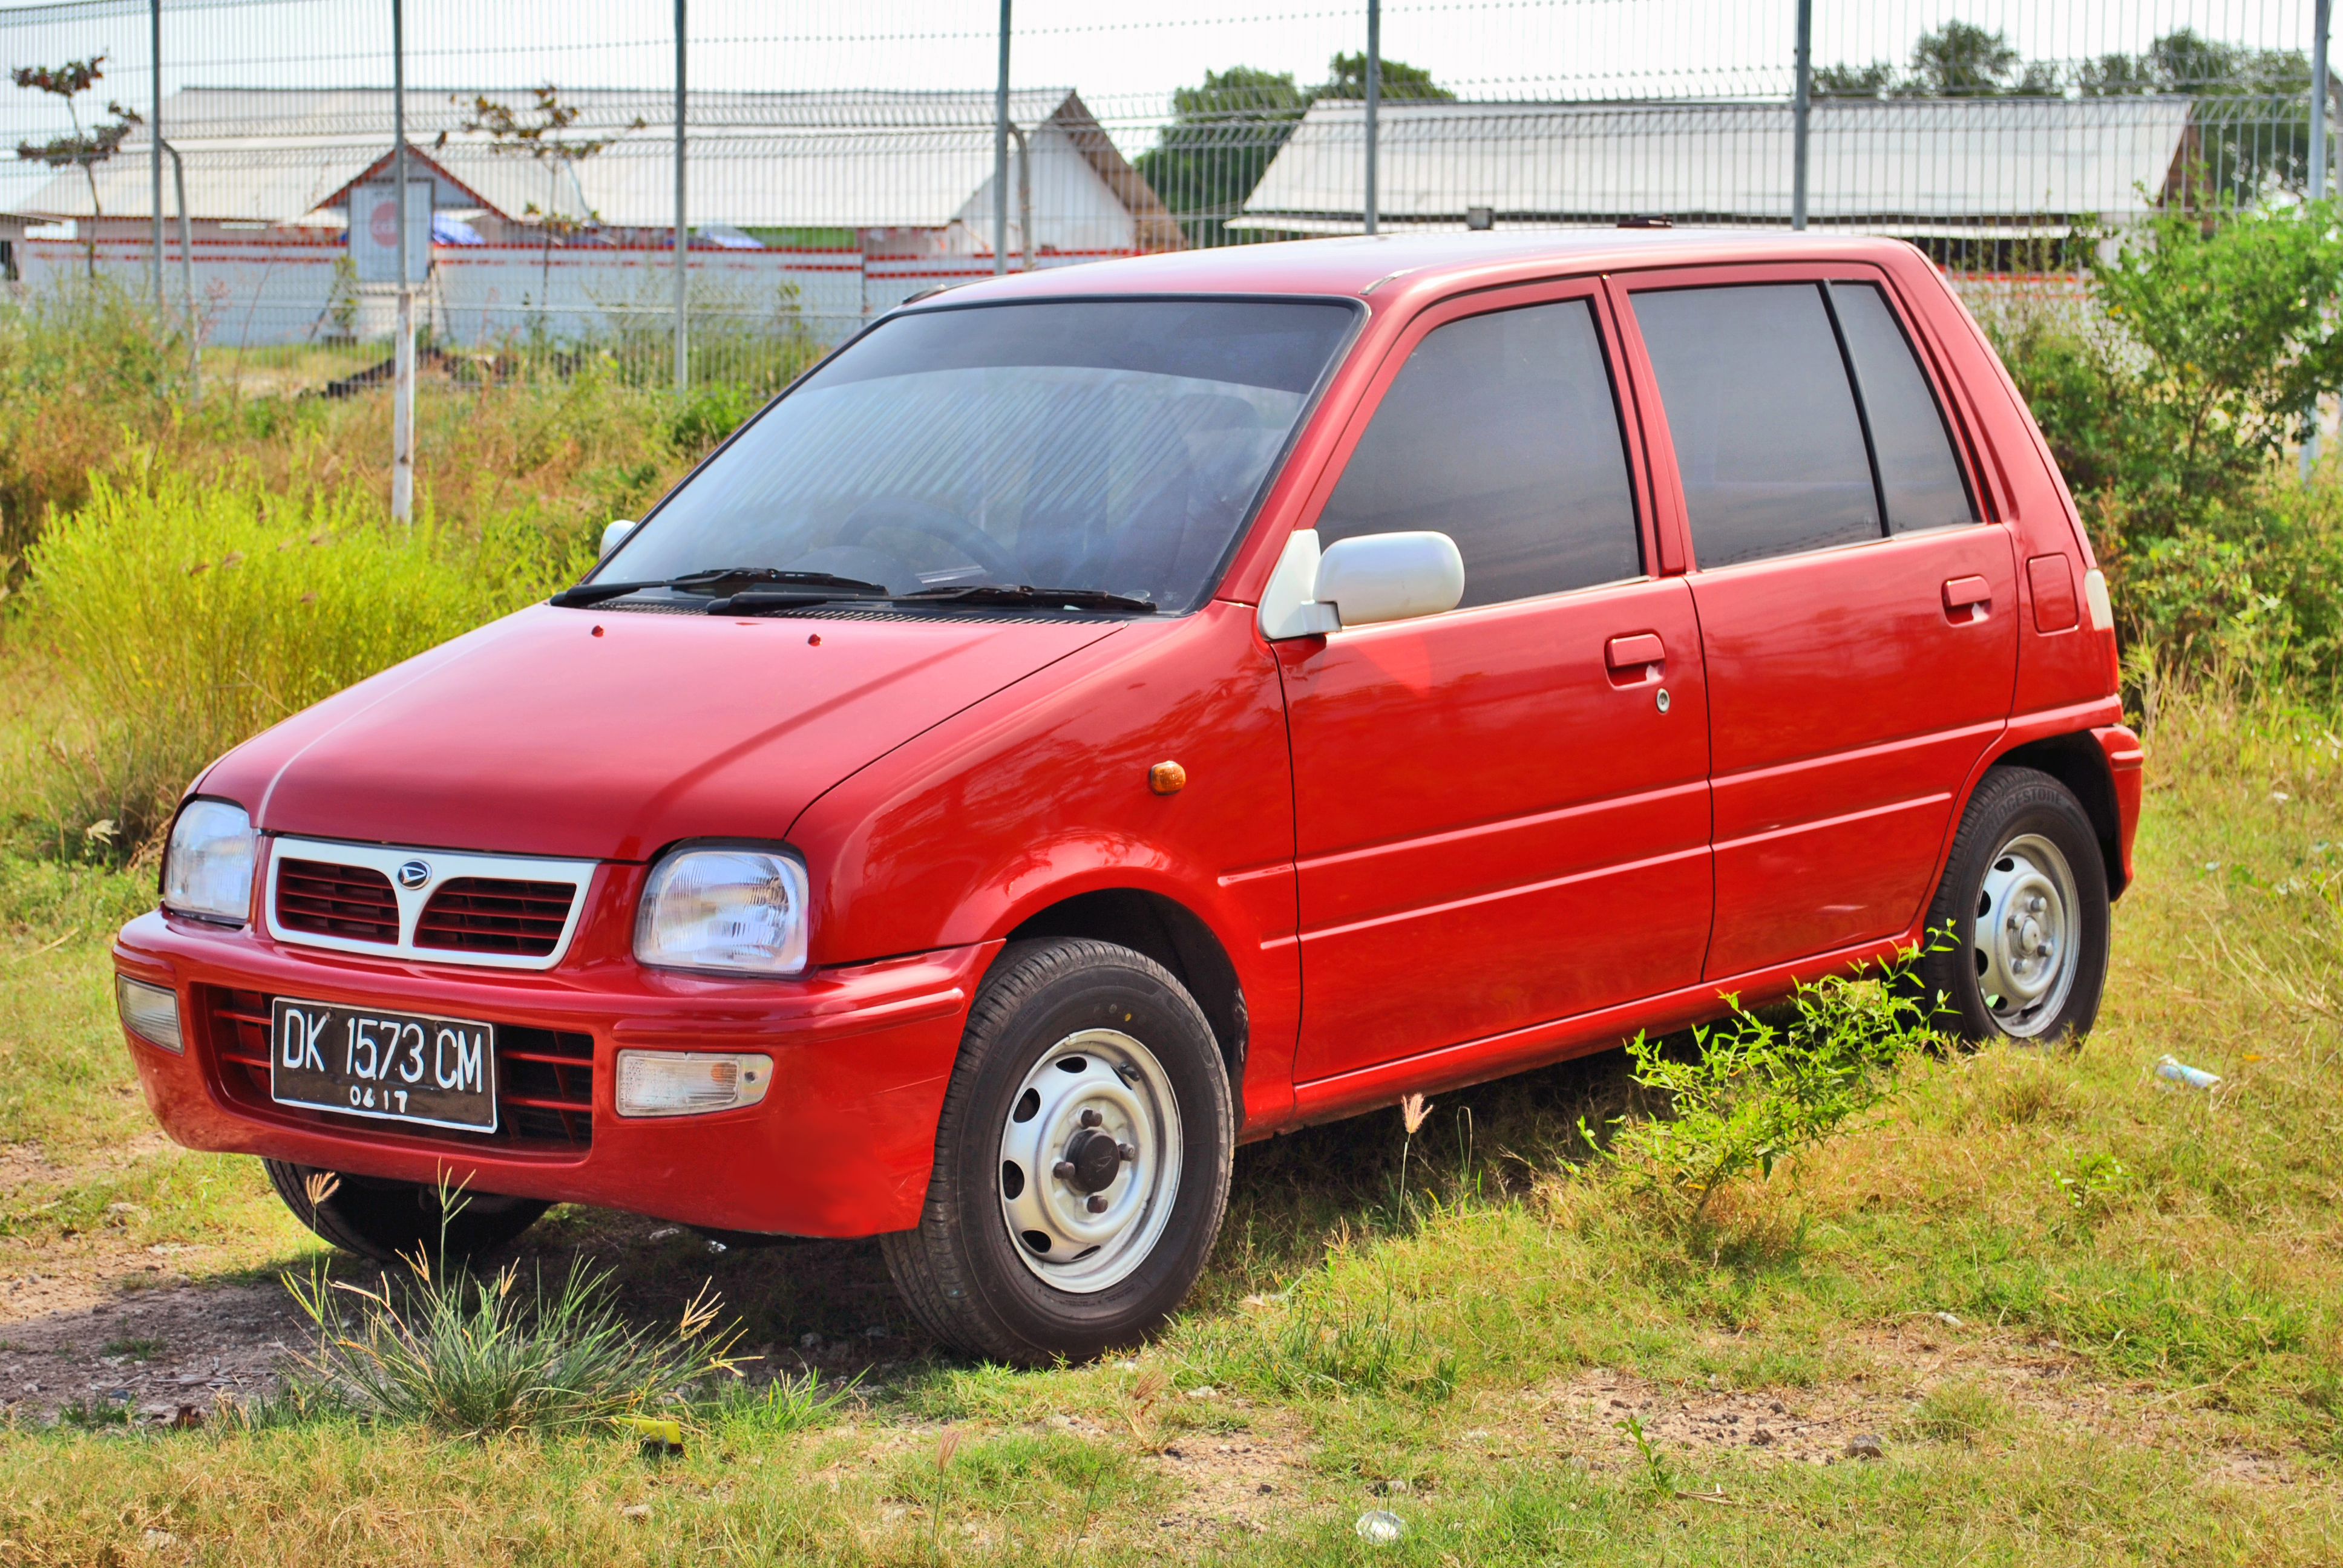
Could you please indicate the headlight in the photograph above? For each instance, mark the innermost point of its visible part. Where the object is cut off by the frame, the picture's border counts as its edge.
(742, 910)
(207, 870)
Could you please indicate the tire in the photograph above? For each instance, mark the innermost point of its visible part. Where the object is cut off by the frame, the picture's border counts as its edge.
(1011, 1262)
(386, 1221)
(2024, 897)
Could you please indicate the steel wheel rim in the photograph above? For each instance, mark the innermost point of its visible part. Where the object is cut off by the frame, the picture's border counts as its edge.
(2026, 941)
(1053, 1227)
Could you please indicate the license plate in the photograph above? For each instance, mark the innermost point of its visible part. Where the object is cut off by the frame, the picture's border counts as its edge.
(398, 1066)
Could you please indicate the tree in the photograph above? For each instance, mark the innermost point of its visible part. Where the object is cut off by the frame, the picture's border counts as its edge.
(1223, 134)
(84, 150)
(541, 138)
(1875, 80)
(1960, 60)
(1396, 80)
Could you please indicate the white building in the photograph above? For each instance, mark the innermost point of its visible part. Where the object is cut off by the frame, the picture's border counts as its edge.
(1947, 169)
(822, 208)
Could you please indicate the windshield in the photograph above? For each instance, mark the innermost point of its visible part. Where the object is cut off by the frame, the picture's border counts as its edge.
(1112, 445)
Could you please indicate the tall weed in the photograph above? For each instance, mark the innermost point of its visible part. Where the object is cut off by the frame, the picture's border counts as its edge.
(1756, 1092)
(187, 616)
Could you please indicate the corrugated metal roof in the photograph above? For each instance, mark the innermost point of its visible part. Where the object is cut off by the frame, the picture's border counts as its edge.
(1905, 165)
(847, 159)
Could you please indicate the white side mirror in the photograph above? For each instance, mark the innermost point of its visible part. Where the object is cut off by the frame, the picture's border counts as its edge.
(1391, 576)
(616, 535)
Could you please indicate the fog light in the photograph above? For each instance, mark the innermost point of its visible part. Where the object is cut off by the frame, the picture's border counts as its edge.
(149, 1011)
(686, 1083)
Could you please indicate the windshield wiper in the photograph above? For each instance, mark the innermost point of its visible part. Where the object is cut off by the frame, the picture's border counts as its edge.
(719, 581)
(982, 594)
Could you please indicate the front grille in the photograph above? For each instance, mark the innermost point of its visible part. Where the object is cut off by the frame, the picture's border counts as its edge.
(493, 915)
(545, 1080)
(353, 902)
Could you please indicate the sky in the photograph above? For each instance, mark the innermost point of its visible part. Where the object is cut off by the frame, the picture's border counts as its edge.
(1124, 57)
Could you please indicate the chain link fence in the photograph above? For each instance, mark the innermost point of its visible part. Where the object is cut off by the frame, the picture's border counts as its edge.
(837, 161)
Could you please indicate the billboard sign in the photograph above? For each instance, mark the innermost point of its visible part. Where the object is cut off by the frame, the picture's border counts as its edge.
(374, 232)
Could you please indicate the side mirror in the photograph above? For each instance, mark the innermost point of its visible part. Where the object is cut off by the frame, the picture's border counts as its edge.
(1362, 580)
(1375, 577)
(616, 535)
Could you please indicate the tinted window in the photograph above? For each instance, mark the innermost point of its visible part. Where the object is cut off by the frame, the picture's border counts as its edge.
(1500, 431)
(1767, 442)
(1918, 475)
(1111, 445)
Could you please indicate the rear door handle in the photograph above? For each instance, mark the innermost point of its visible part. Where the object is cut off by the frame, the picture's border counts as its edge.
(1967, 599)
(1637, 656)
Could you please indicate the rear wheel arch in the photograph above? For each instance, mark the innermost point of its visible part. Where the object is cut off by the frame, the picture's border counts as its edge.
(2078, 763)
(1174, 936)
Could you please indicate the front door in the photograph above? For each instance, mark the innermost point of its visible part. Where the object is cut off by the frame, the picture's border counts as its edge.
(1502, 812)
(1857, 621)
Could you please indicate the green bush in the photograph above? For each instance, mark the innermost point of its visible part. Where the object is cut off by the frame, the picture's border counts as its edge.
(187, 616)
(1756, 1092)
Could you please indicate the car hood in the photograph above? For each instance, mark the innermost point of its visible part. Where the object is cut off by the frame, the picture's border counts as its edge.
(605, 735)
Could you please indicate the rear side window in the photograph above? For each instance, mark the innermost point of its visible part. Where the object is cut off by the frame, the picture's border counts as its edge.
(1500, 431)
(1768, 442)
(1919, 478)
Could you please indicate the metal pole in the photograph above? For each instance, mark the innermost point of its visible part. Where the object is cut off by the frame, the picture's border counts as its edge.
(1802, 108)
(154, 139)
(1001, 155)
(683, 233)
(402, 415)
(2321, 15)
(1374, 98)
(188, 282)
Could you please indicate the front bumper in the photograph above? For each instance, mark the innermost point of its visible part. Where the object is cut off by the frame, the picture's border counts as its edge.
(840, 1146)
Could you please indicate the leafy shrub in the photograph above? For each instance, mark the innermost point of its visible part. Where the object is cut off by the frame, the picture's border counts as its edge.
(187, 616)
(1757, 1092)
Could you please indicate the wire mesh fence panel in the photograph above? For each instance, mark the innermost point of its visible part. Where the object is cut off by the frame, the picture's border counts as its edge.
(838, 161)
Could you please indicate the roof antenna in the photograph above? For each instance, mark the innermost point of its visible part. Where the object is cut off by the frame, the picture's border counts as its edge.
(1646, 220)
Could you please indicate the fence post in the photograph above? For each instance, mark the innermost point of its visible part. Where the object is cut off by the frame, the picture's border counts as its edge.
(2321, 15)
(1801, 109)
(1001, 155)
(683, 233)
(188, 283)
(402, 407)
(1374, 99)
(154, 140)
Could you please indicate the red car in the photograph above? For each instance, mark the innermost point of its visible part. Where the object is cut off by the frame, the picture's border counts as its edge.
(1100, 717)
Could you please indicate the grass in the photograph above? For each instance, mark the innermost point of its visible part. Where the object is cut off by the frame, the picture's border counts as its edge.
(2092, 1319)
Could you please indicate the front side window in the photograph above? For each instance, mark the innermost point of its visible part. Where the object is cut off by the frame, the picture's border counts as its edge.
(1502, 432)
(1106, 446)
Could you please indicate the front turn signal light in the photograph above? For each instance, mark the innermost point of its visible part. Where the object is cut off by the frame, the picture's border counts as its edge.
(151, 1012)
(690, 1082)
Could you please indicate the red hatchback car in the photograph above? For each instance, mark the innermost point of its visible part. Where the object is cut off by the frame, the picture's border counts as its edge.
(1097, 717)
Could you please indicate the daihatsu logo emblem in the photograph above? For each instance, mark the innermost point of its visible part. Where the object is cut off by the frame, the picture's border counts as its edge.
(415, 873)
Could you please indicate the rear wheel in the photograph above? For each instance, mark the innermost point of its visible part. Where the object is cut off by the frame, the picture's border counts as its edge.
(388, 1219)
(2020, 921)
(1081, 1160)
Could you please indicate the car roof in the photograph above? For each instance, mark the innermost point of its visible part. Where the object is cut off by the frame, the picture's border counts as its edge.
(1354, 265)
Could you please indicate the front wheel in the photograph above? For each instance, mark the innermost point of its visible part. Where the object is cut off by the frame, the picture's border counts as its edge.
(2019, 924)
(1081, 1160)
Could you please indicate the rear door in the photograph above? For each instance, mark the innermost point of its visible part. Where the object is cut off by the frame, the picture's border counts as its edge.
(1858, 621)
(1500, 820)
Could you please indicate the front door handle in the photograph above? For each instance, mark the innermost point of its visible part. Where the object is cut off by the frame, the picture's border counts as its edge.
(1634, 653)
(1968, 600)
